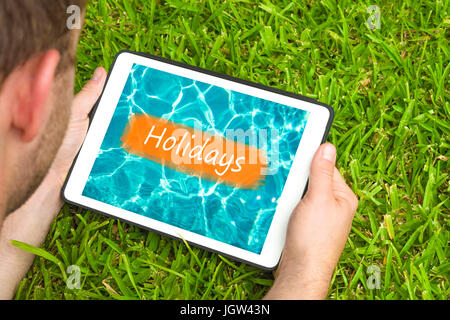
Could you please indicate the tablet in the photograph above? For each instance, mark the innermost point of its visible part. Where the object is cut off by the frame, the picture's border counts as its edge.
(196, 155)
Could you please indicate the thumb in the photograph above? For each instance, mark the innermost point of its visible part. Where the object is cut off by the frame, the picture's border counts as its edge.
(86, 98)
(322, 170)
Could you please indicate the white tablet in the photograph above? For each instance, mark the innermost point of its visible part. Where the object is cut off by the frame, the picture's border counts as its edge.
(196, 155)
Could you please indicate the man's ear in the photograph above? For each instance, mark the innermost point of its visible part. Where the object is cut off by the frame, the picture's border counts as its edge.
(35, 80)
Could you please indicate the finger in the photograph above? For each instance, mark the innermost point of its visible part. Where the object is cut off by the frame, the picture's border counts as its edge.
(86, 98)
(322, 171)
(343, 193)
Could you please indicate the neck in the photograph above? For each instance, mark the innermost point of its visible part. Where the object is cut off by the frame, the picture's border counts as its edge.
(2, 202)
(2, 188)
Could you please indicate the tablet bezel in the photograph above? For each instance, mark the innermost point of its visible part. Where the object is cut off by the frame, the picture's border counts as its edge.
(315, 132)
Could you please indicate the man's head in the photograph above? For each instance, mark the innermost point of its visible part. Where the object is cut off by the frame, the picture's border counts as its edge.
(37, 55)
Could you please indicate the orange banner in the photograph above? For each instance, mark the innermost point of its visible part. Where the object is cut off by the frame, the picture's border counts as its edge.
(194, 152)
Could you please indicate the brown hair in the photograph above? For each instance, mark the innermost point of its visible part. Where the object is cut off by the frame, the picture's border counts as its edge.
(28, 27)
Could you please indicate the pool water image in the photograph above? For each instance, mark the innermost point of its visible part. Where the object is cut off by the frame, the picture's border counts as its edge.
(236, 216)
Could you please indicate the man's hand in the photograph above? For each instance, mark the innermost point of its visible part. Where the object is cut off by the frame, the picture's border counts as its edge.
(30, 223)
(317, 232)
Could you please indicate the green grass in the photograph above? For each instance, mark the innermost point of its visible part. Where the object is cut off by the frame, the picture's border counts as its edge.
(389, 89)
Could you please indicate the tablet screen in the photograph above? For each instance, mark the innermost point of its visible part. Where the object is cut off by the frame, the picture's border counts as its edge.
(197, 156)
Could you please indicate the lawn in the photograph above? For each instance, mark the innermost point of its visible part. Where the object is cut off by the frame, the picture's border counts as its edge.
(389, 88)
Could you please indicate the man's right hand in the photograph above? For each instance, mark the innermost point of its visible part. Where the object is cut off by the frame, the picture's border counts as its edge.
(317, 232)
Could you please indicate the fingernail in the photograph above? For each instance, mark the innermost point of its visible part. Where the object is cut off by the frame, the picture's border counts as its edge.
(329, 152)
(97, 74)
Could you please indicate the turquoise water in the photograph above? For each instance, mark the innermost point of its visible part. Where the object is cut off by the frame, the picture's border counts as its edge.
(239, 217)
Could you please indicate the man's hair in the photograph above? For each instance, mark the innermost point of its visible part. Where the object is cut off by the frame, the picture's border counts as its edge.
(28, 27)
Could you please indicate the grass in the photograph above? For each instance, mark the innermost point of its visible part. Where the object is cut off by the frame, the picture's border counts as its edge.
(389, 89)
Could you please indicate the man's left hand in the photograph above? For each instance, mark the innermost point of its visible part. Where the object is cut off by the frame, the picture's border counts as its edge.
(30, 223)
